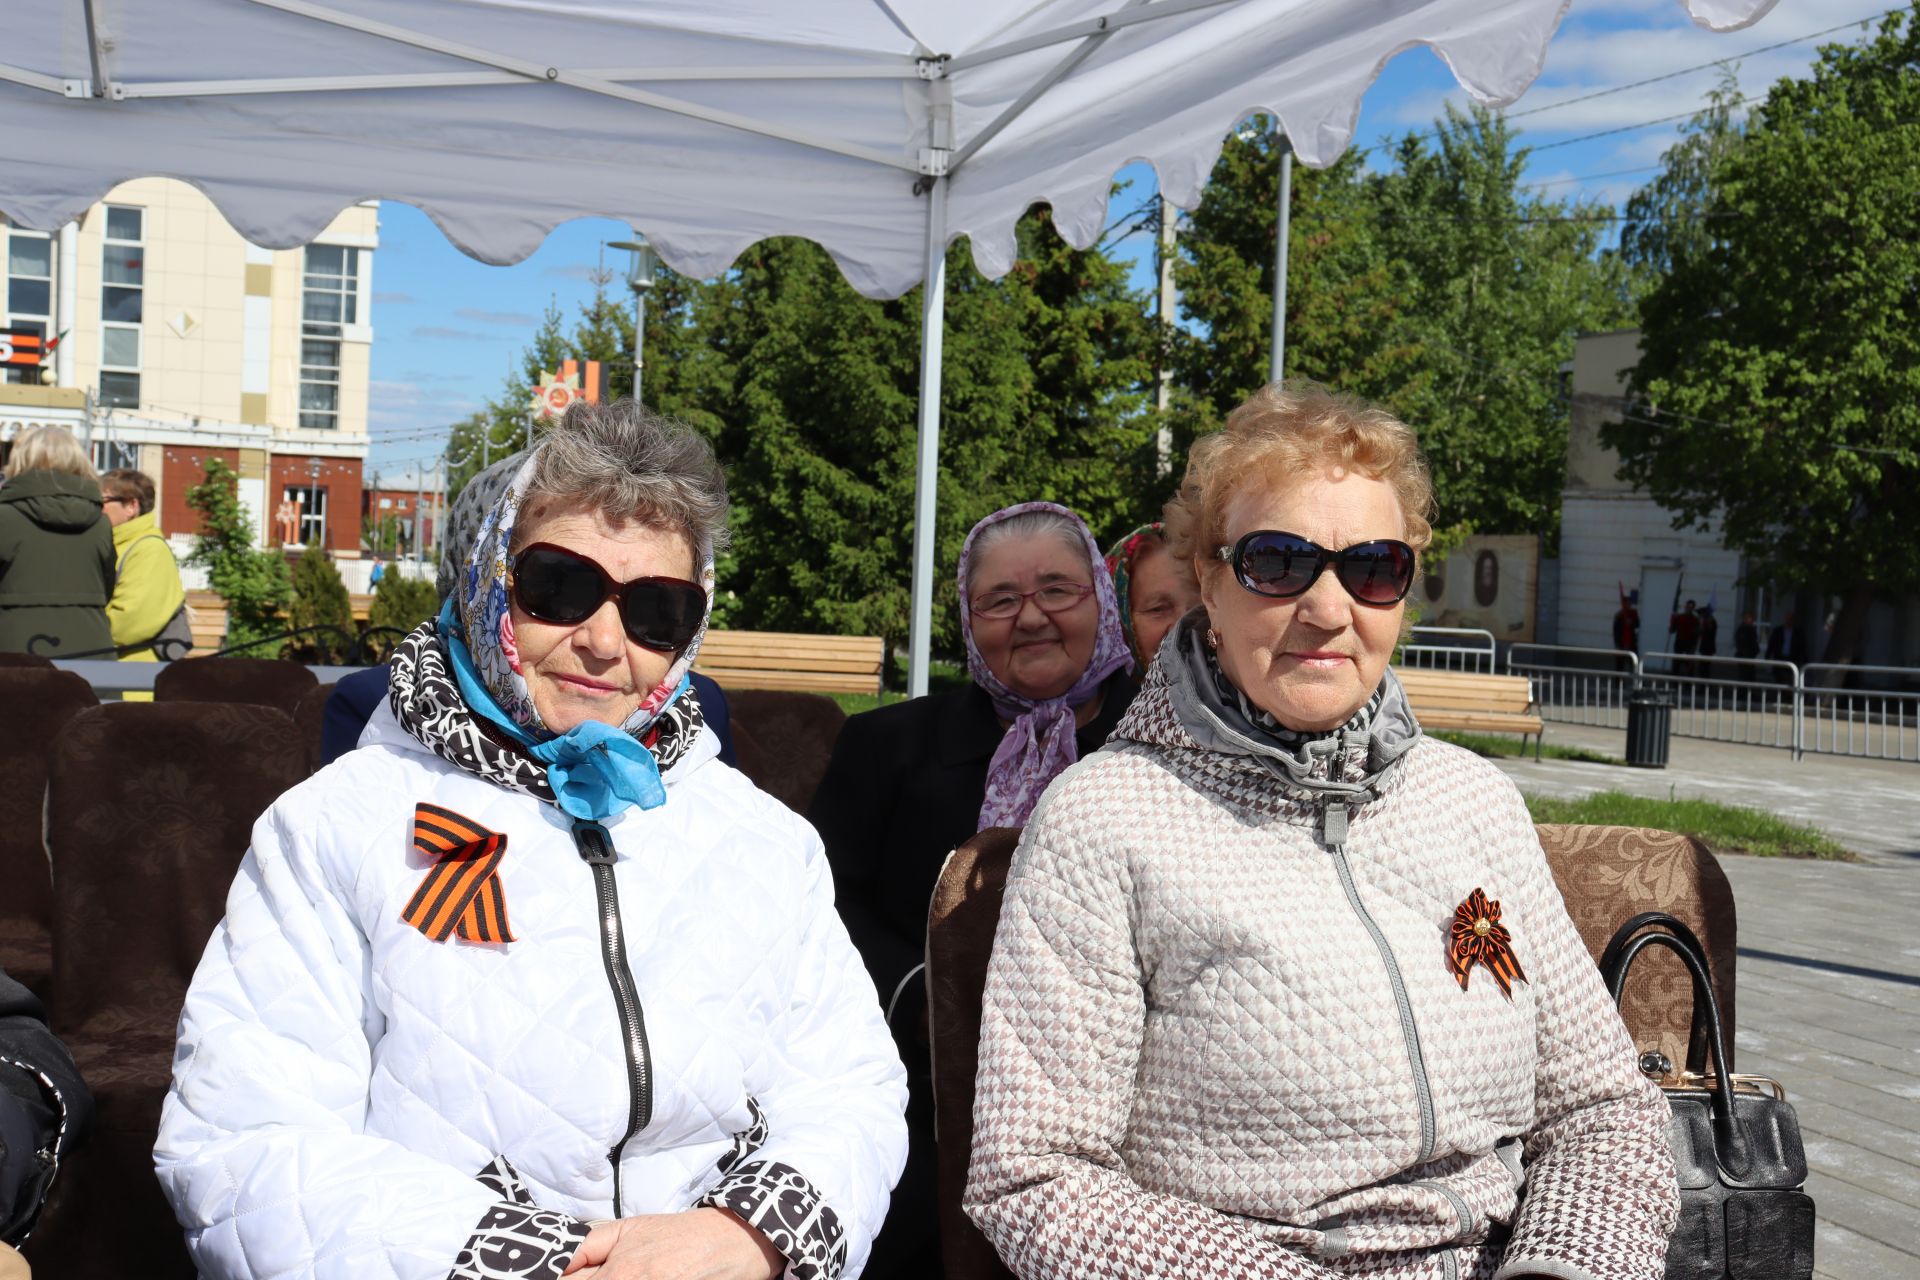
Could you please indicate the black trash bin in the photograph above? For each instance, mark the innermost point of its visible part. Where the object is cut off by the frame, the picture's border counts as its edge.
(1649, 728)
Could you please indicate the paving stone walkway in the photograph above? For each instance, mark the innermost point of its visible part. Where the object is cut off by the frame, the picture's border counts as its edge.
(1829, 973)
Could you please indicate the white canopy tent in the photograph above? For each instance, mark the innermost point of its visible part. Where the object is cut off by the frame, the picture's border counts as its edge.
(882, 129)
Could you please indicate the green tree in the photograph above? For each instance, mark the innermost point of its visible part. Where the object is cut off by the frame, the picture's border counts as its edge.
(1779, 383)
(811, 390)
(1663, 225)
(319, 600)
(1442, 288)
(399, 603)
(254, 583)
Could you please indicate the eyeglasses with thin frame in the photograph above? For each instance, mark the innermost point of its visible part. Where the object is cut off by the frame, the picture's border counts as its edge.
(1281, 565)
(554, 584)
(1055, 597)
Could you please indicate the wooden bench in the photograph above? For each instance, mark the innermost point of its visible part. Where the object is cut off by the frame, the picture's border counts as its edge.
(209, 620)
(788, 660)
(1472, 703)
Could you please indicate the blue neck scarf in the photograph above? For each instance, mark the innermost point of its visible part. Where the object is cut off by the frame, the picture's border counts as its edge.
(596, 771)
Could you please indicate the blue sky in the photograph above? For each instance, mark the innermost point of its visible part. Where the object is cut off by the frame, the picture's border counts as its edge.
(448, 329)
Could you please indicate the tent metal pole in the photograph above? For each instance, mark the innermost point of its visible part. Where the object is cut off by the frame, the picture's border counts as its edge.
(1131, 14)
(903, 69)
(1277, 365)
(926, 479)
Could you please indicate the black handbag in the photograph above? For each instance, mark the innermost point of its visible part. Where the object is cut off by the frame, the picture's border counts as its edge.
(1744, 1214)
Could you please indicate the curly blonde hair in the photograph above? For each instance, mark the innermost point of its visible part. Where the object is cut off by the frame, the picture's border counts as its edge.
(1286, 432)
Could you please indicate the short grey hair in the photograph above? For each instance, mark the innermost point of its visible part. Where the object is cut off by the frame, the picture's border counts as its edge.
(629, 463)
(1030, 524)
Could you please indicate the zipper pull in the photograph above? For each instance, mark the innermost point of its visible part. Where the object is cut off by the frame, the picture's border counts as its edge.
(593, 842)
(1333, 824)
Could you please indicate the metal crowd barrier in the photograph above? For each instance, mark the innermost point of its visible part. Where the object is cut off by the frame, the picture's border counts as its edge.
(1754, 701)
(1449, 649)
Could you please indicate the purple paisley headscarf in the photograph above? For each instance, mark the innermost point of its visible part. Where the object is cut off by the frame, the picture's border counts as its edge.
(1039, 743)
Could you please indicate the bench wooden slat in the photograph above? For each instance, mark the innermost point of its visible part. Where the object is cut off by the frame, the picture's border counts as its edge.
(803, 681)
(786, 662)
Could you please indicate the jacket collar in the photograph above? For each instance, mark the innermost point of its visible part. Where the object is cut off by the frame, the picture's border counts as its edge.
(1178, 707)
(138, 527)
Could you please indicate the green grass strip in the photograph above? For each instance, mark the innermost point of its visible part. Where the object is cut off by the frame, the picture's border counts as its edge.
(1499, 744)
(1725, 828)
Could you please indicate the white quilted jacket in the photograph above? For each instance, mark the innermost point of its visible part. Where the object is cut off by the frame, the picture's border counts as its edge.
(1221, 1037)
(340, 1079)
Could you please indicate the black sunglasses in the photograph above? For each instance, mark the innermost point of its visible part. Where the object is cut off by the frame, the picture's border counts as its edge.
(1283, 565)
(556, 585)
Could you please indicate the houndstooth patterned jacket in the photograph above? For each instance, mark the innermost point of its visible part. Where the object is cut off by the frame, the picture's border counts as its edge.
(1221, 1037)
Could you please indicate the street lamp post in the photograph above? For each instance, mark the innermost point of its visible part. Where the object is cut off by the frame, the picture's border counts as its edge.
(641, 266)
(313, 473)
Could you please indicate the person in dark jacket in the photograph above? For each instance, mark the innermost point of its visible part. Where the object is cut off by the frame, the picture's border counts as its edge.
(56, 550)
(44, 1110)
(909, 782)
(1746, 637)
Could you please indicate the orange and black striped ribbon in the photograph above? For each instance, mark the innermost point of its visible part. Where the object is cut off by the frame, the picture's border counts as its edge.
(1478, 937)
(462, 892)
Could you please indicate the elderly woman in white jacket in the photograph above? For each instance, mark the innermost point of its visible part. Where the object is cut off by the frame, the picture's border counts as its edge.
(531, 984)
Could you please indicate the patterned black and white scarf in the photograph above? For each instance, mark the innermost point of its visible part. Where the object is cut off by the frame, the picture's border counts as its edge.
(426, 700)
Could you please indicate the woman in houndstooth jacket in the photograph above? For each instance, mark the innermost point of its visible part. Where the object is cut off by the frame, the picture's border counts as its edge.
(1281, 987)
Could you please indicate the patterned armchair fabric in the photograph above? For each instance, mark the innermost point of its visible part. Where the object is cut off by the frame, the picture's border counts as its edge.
(1608, 875)
(266, 682)
(150, 807)
(784, 740)
(310, 717)
(39, 702)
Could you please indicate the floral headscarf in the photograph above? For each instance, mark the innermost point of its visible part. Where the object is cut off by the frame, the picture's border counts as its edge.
(1120, 558)
(480, 599)
(1039, 743)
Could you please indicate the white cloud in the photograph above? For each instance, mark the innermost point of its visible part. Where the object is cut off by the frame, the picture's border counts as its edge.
(511, 319)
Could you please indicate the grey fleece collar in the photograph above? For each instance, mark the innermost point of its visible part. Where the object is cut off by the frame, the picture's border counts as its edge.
(1216, 725)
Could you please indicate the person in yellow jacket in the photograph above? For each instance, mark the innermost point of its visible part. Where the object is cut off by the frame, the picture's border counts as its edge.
(148, 601)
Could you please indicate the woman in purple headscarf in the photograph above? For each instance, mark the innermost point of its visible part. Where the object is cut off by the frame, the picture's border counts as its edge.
(908, 782)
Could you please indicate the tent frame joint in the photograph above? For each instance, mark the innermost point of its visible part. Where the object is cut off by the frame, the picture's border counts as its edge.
(933, 66)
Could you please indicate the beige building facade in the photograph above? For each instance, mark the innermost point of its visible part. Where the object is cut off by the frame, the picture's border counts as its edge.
(180, 342)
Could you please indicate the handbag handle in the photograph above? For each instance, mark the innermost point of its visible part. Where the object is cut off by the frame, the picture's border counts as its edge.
(1697, 1039)
(1618, 958)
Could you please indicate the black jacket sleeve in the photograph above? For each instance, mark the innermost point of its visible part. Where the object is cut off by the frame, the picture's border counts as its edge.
(852, 810)
(44, 1109)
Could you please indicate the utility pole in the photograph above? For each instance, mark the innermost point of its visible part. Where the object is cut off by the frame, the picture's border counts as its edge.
(419, 502)
(1277, 366)
(1163, 392)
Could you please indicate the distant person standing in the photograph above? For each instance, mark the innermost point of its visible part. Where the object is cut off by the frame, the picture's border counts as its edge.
(1626, 623)
(148, 611)
(1684, 627)
(379, 572)
(1709, 633)
(56, 549)
(1783, 645)
(1746, 637)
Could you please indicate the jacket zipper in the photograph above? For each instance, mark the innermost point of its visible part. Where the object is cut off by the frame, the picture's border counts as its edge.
(596, 850)
(1336, 840)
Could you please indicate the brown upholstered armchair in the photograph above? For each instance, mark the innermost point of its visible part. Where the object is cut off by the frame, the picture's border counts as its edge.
(266, 682)
(39, 702)
(783, 740)
(150, 807)
(1606, 874)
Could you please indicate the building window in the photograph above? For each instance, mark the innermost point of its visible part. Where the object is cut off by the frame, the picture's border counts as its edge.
(329, 302)
(28, 292)
(112, 455)
(122, 306)
(309, 509)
